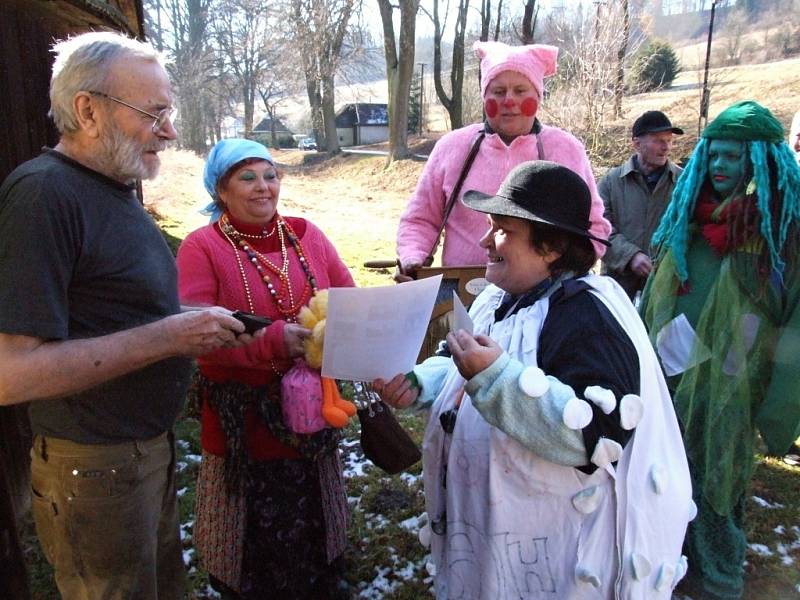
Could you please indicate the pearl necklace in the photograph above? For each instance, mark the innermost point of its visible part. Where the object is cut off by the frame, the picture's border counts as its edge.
(225, 224)
(284, 297)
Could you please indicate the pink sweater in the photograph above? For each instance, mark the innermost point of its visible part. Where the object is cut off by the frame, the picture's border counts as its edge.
(423, 215)
(208, 275)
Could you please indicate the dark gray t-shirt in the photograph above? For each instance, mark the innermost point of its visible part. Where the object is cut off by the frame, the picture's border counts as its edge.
(81, 258)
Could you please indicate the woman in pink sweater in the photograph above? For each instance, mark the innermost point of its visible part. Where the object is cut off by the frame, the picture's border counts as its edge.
(511, 86)
(271, 506)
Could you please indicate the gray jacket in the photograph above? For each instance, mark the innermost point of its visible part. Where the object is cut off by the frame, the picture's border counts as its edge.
(634, 213)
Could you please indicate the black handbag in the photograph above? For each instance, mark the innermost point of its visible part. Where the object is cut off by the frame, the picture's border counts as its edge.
(383, 439)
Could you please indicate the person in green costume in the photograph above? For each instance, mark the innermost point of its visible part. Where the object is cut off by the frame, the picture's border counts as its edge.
(721, 310)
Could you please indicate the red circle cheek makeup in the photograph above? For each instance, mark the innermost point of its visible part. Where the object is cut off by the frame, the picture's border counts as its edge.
(490, 108)
(529, 106)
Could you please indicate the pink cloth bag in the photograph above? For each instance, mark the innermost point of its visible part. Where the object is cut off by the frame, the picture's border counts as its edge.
(301, 399)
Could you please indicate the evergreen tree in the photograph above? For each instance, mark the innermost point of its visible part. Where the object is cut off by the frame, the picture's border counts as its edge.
(656, 66)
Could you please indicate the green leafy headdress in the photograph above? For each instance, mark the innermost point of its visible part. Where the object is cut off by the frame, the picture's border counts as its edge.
(748, 122)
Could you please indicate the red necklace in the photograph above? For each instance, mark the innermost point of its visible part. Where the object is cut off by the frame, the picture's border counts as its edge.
(288, 305)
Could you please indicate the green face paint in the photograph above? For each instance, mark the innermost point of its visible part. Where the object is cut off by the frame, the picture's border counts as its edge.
(726, 165)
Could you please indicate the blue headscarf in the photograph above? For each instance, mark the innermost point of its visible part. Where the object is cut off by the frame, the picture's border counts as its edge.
(222, 157)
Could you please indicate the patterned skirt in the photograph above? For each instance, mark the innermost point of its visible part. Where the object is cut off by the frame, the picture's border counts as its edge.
(279, 537)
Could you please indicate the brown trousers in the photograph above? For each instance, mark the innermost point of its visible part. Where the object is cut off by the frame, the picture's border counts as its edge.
(107, 518)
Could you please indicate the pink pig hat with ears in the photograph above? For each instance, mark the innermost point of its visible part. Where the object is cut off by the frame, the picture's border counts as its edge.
(535, 62)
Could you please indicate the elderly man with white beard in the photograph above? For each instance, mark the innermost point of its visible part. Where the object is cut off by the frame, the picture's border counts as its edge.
(91, 330)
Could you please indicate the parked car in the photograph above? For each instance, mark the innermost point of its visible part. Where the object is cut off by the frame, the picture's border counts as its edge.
(308, 143)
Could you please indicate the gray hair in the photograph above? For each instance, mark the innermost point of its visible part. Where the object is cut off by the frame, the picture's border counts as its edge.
(85, 62)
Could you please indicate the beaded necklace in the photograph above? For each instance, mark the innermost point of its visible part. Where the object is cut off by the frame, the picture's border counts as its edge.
(284, 297)
(225, 222)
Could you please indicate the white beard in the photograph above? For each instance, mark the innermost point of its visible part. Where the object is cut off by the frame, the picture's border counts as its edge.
(122, 156)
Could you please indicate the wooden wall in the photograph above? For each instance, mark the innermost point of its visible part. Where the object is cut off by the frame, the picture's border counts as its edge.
(25, 37)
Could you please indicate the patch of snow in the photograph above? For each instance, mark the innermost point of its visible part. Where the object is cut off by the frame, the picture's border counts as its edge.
(407, 572)
(766, 504)
(786, 559)
(389, 578)
(780, 530)
(188, 556)
(186, 530)
(760, 549)
(355, 463)
(195, 458)
(182, 491)
(183, 445)
(410, 480)
(374, 521)
(413, 524)
(380, 586)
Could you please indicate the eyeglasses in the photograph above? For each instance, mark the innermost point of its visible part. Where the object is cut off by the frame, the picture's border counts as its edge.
(159, 119)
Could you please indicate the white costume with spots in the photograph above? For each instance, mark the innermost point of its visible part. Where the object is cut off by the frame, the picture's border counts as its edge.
(519, 526)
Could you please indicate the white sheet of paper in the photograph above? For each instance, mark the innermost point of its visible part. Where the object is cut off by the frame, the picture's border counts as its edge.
(377, 332)
(461, 319)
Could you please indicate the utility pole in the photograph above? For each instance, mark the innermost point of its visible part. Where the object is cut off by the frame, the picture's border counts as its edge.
(705, 96)
(421, 94)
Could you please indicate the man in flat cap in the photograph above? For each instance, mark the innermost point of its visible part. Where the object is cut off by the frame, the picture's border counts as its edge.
(635, 195)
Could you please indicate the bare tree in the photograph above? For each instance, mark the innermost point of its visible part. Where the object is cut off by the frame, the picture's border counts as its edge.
(362, 57)
(453, 103)
(619, 87)
(218, 103)
(733, 44)
(320, 27)
(486, 20)
(242, 33)
(399, 71)
(273, 94)
(180, 28)
(529, 17)
(582, 95)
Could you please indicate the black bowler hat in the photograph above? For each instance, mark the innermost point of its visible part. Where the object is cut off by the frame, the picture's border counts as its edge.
(541, 191)
(653, 121)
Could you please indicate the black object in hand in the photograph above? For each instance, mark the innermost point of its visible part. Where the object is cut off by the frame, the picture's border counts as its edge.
(251, 322)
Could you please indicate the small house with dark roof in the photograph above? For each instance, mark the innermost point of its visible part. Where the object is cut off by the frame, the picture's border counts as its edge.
(273, 133)
(362, 123)
(265, 126)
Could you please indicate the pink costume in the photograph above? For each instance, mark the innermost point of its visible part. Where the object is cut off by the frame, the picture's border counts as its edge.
(423, 216)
